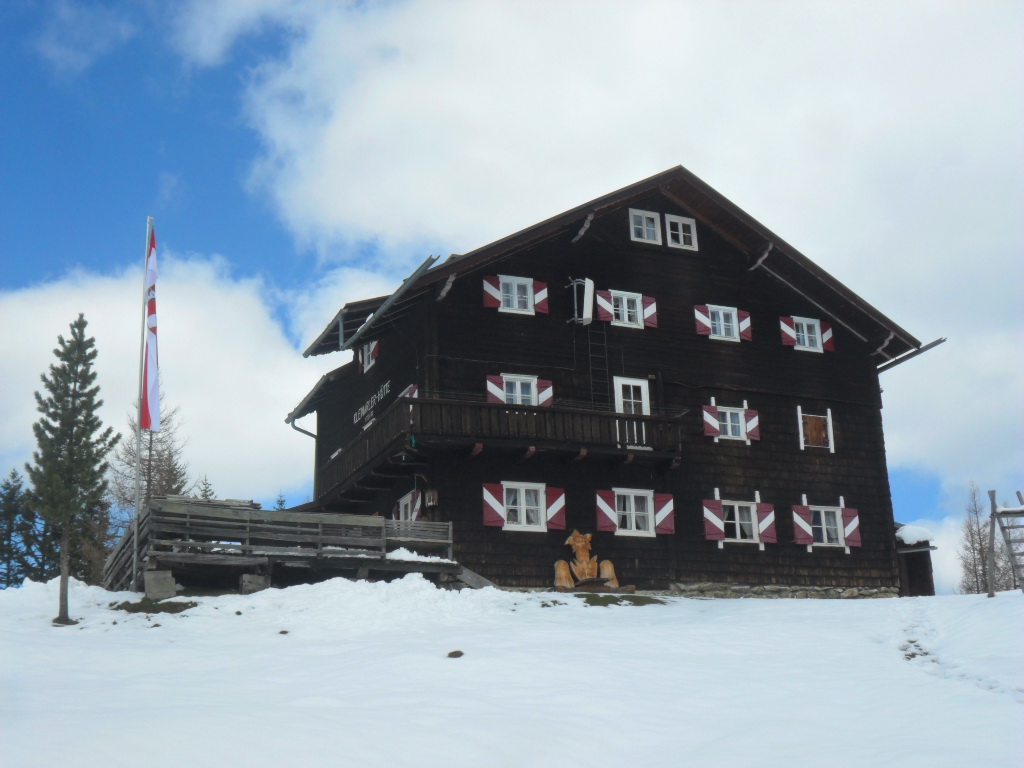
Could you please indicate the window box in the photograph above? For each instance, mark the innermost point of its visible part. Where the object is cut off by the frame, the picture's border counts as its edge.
(644, 226)
(726, 323)
(815, 526)
(519, 506)
(744, 522)
(515, 295)
(807, 334)
(682, 232)
(517, 389)
(728, 423)
(635, 512)
(816, 431)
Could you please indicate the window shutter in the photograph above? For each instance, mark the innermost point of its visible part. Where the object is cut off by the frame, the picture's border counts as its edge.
(492, 291)
(650, 312)
(556, 509)
(495, 389)
(851, 527)
(545, 392)
(711, 421)
(828, 343)
(788, 331)
(664, 513)
(802, 533)
(374, 349)
(417, 504)
(603, 301)
(494, 504)
(703, 318)
(746, 332)
(540, 297)
(714, 526)
(606, 519)
(766, 523)
(753, 425)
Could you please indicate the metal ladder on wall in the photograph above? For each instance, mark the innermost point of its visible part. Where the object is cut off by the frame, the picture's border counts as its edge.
(597, 353)
(1011, 525)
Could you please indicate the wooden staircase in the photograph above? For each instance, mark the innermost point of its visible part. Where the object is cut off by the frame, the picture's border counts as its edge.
(1011, 524)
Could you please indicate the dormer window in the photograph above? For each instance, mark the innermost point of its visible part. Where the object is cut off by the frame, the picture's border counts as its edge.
(682, 232)
(644, 226)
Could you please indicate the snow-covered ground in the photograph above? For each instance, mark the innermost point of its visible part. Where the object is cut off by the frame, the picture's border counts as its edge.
(358, 674)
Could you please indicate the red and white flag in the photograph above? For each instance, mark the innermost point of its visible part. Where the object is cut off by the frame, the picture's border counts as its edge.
(149, 418)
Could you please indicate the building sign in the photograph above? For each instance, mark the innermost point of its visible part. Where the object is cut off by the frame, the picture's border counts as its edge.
(366, 409)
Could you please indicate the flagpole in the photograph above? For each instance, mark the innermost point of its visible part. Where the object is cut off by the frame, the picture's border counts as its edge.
(138, 418)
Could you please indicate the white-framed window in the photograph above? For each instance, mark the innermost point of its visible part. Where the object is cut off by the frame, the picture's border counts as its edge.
(808, 333)
(816, 430)
(634, 512)
(409, 506)
(740, 521)
(627, 309)
(368, 355)
(827, 526)
(519, 390)
(731, 423)
(644, 226)
(516, 294)
(525, 506)
(682, 232)
(724, 324)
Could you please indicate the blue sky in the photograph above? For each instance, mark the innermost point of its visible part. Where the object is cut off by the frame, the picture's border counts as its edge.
(298, 154)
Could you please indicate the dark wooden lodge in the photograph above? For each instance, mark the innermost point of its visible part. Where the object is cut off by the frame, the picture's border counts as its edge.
(654, 367)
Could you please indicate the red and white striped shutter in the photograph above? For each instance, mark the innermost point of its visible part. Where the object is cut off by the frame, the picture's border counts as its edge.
(374, 349)
(650, 311)
(746, 331)
(540, 297)
(494, 504)
(556, 509)
(603, 302)
(711, 428)
(714, 526)
(545, 392)
(702, 316)
(802, 532)
(753, 424)
(492, 291)
(606, 519)
(664, 513)
(495, 389)
(828, 343)
(851, 527)
(417, 504)
(788, 331)
(766, 523)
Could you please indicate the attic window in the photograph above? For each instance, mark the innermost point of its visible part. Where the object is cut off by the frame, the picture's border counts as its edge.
(645, 226)
(682, 232)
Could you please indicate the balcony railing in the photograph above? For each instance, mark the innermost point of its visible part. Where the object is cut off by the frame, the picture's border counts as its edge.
(437, 422)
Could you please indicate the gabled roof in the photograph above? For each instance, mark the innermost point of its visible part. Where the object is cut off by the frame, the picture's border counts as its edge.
(763, 248)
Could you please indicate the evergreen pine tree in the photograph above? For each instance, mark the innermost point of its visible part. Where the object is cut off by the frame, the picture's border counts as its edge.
(14, 523)
(69, 464)
(280, 502)
(206, 489)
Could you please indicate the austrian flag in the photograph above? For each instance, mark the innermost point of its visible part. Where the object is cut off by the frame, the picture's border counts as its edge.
(149, 416)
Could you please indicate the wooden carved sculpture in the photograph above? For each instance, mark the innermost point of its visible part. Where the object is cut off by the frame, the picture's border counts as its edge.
(583, 565)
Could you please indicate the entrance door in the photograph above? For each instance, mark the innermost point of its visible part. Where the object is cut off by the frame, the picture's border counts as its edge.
(632, 396)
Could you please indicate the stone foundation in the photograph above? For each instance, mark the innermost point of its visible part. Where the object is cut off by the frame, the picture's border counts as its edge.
(713, 589)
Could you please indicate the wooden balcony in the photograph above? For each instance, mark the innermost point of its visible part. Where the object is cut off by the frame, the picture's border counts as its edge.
(420, 423)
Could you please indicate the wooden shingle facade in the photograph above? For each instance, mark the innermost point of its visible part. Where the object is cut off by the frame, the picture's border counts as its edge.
(653, 367)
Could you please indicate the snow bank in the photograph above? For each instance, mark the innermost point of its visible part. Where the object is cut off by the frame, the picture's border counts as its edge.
(913, 534)
(358, 673)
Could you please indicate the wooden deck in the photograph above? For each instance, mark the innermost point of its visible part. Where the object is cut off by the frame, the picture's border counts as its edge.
(421, 422)
(180, 533)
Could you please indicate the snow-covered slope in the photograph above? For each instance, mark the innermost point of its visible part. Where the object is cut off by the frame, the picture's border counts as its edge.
(358, 674)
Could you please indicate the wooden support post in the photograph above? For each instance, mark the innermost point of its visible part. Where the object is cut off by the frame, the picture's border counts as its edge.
(992, 545)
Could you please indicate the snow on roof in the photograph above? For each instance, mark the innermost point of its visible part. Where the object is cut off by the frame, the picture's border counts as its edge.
(913, 534)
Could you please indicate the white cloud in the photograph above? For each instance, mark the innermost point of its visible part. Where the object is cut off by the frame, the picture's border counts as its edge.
(945, 558)
(76, 35)
(224, 359)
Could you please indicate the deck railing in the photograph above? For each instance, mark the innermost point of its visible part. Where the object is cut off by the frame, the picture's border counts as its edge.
(430, 420)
